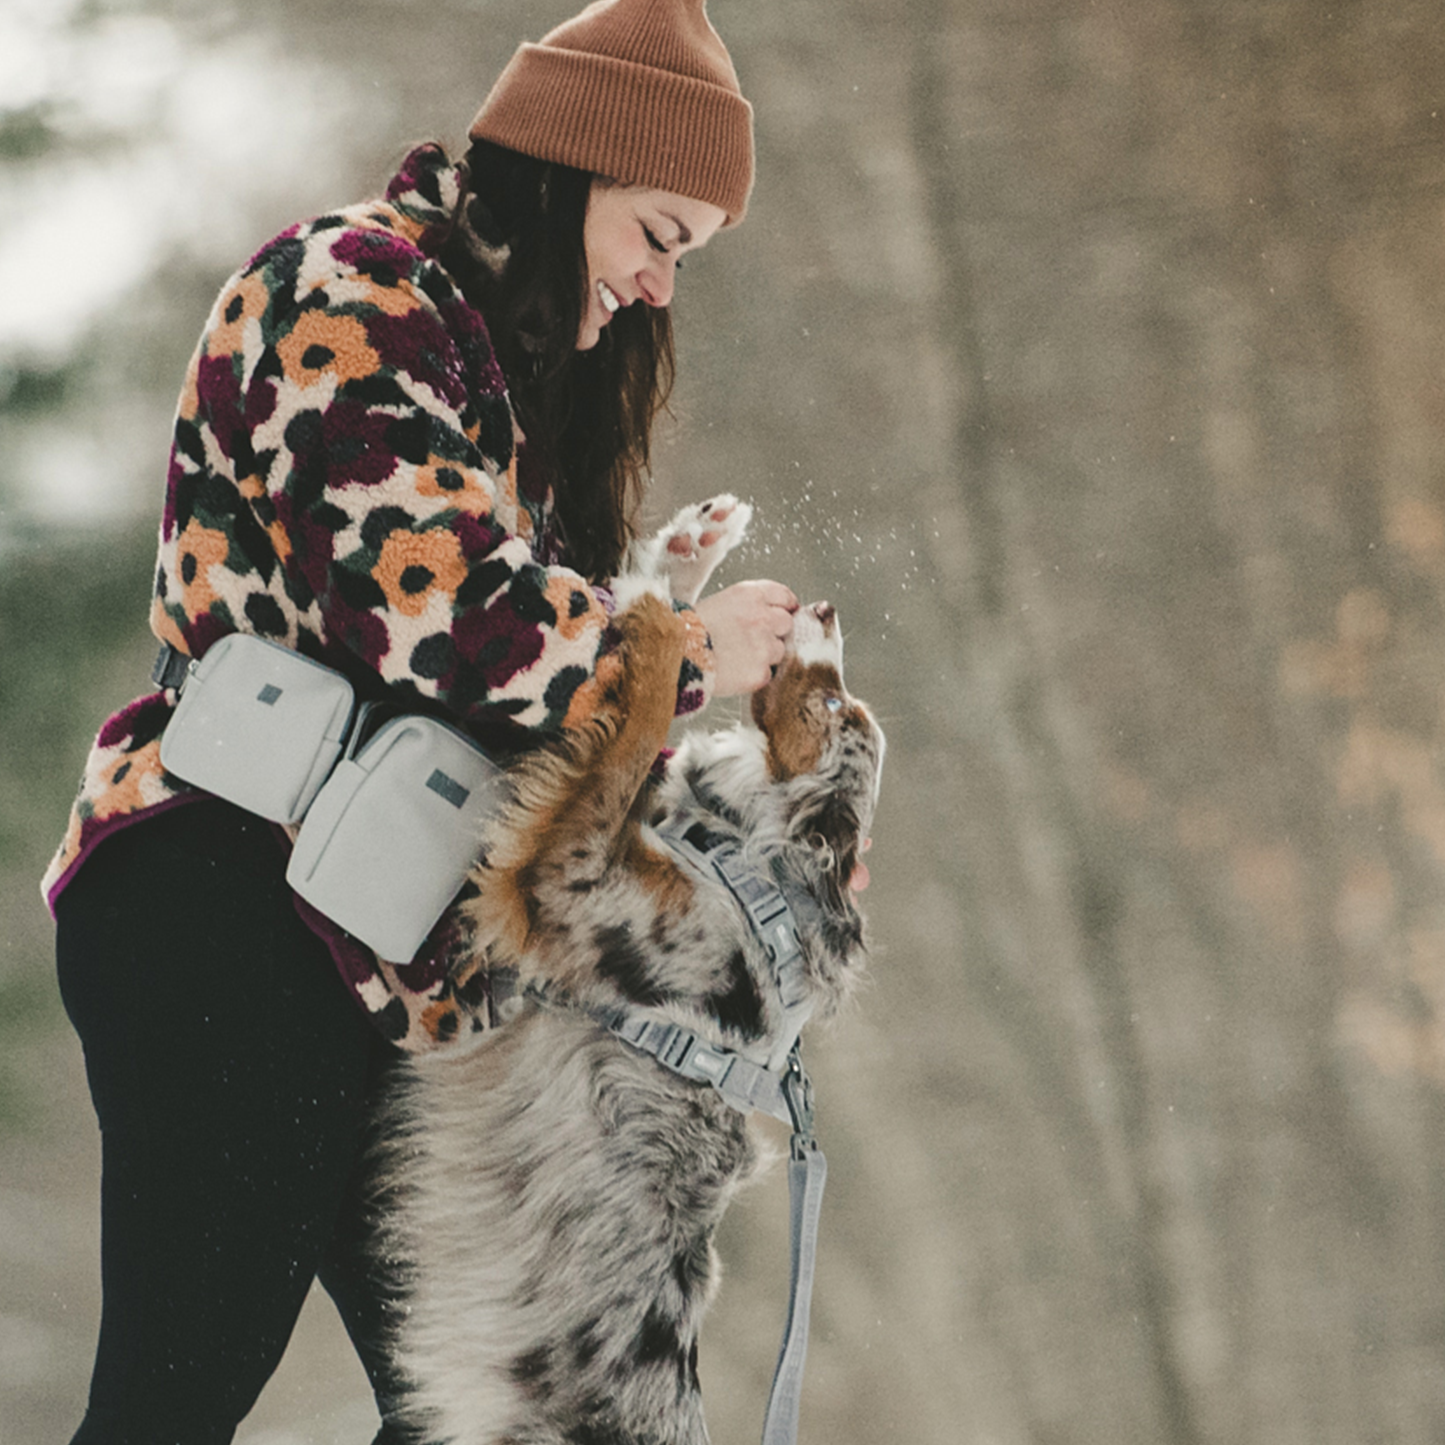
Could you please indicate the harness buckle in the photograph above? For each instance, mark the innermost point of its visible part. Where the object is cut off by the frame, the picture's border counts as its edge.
(782, 943)
(683, 1052)
(672, 1048)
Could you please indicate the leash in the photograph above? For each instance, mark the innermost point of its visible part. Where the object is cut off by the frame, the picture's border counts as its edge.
(807, 1173)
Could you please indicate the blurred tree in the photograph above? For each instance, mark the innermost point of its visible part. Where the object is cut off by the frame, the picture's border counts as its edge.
(1172, 718)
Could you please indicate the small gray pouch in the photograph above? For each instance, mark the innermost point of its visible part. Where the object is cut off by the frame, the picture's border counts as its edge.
(259, 725)
(394, 832)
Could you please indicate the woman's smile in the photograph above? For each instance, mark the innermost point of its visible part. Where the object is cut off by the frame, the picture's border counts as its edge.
(634, 237)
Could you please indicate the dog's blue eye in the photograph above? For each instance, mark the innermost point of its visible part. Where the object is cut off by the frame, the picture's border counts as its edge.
(832, 703)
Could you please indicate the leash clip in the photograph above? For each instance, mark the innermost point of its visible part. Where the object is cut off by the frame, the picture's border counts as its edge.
(798, 1095)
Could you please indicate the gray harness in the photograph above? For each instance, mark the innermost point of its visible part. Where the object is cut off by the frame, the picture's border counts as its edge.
(781, 1088)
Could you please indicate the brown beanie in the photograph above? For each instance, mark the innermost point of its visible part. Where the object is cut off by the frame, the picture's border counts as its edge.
(641, 91)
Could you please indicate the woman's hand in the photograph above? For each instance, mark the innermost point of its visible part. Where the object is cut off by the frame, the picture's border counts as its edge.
(749, 623)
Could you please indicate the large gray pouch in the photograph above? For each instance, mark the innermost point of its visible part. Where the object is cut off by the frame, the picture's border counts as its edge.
(259, 725)
(394, 832)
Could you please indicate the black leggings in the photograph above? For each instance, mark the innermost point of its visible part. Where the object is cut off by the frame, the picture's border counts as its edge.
(230, 1071)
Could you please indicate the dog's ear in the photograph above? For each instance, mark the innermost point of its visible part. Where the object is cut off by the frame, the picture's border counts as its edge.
(832, 828)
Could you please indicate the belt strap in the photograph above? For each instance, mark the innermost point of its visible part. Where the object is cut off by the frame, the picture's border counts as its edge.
(170, 667)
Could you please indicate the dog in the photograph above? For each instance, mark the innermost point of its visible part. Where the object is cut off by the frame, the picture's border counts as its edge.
(554, 1190)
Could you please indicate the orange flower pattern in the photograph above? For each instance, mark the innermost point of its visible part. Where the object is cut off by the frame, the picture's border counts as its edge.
(440, 481)
(343, 479)
(198, 549)
(415, 566)
(322, 346)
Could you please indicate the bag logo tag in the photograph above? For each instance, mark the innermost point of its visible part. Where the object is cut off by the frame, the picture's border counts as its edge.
(448, 788)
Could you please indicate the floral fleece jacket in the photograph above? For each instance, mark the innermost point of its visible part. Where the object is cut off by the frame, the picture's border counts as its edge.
(343, 479)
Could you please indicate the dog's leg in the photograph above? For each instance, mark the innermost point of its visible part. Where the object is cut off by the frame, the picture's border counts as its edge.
(571, 821)
(643, 699)
(690, 546)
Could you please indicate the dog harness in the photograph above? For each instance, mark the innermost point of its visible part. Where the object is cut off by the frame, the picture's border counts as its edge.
(782, 1088)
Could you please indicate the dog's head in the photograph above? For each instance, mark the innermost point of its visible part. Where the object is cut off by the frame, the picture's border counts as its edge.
(824, 743)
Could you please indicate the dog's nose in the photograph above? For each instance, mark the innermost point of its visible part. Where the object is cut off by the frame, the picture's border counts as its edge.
(825, 612)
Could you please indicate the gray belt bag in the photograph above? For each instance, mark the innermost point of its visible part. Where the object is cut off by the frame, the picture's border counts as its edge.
(391, 822)
(259, 725)
(394, 832)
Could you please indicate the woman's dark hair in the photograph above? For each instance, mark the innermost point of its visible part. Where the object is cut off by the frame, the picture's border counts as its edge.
(516, 250)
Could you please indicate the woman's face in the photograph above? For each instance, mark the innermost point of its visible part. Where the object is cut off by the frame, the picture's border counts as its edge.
(634, 239)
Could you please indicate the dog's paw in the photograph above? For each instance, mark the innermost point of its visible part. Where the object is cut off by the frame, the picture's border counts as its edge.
(696, 540)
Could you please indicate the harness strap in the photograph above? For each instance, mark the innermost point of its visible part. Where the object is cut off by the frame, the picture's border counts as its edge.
(767, 909)
(744, 1085)
(759, 897)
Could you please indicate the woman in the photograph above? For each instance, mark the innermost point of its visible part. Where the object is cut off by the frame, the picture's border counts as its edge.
(409, 445)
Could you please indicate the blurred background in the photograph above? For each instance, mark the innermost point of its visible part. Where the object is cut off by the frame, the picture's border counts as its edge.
(1090, 356)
